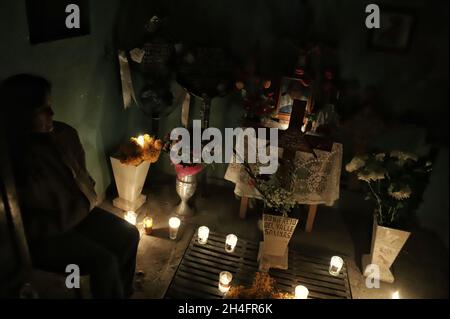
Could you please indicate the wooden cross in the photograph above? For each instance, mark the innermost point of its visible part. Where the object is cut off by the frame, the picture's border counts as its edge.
(293, 140)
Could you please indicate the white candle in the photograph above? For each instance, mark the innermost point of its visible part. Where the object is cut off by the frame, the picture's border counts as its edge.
(141, 140)
(174, 224)
(131, 217)
(396, 295)
(203, 234)
(225, 279)
(148, 225)
(230, 243)
(336, 264)
(301, 292)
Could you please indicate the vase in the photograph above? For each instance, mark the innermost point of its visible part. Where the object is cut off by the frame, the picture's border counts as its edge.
(386, 245)
(185, 187)
(129, 180)
(273, 251)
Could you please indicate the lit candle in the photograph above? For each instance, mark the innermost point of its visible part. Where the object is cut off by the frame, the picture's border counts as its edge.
(141, 140)
(174, 224)
(301, 292)
(225, 278)
(230, 243)
(131, 217)
(203, 233)
(396, 295)
(336, 264)
(148, 225)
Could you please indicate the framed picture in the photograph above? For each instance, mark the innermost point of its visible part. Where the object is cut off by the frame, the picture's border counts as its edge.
(290, 89)
(395, 32)
(47, 19)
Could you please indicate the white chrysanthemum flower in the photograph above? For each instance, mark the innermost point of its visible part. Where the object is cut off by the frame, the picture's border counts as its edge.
(369, 176)
(380, 157)
(355, 164)
(403, 193)
(404, 156)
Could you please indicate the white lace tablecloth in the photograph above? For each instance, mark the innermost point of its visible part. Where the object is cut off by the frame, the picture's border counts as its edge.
(316, 181)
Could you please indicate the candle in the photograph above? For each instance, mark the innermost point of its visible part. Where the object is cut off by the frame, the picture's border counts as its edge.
(225, 278)
(141, 140)
(174, 224)
(230, 243)
(148, 225)
(396, 295)
(131, 217)
(203, 233)
(301, 292)
(336, 264)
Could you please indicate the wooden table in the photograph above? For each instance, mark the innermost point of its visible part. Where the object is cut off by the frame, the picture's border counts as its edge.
(198, 272)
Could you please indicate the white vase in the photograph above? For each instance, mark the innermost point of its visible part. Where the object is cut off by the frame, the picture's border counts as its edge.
(278, 231)
(386, 245)
(130, 180)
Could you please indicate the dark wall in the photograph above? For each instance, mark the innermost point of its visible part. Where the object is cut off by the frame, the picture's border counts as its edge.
(411, 87)
(84, 73)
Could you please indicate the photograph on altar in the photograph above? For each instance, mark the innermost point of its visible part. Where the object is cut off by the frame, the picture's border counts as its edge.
(232, 152)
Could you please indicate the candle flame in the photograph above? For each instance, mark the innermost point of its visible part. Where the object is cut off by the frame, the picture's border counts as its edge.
(141, 140)
(301, 292)
(174, 222)
(148, 222)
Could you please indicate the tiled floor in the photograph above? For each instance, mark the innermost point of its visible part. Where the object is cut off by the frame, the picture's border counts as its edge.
(421, 270)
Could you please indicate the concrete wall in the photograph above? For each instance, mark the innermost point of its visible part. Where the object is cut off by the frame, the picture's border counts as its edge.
(84, 73)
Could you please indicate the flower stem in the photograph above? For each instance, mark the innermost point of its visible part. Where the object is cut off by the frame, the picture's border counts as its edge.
(378, 201)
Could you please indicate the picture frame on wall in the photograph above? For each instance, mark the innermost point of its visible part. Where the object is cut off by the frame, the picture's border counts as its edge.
(290, 89)
(396, 30)
(47, 19)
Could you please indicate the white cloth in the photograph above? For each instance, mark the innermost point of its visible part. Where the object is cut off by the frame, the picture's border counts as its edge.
(316, 180)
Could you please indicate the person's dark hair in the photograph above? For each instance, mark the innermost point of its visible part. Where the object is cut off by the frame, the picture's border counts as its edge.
(20, 96)
(23, 93)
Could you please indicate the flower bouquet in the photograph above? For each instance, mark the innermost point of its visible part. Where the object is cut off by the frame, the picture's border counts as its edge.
(130, 167)
(395, 182)
(139, 149)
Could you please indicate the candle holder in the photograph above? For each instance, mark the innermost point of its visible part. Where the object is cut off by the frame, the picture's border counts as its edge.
(336, 264)
(174, 225)
(203, 234)
(225, 279)
(130, 216)
(148, 225)
(230, 243)
(301, 292)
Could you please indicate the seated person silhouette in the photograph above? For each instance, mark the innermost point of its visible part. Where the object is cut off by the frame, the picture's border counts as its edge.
(57, 196)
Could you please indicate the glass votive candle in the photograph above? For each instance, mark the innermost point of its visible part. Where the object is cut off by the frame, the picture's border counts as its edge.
(174, 225)
(203, 234)
(301, 292)
(131, 217)
(148, 225)
(230, 243)
(336, 264)
(225, 279)
(396, 295)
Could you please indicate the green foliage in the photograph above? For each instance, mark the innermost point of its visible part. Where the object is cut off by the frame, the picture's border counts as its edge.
(395, 182)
